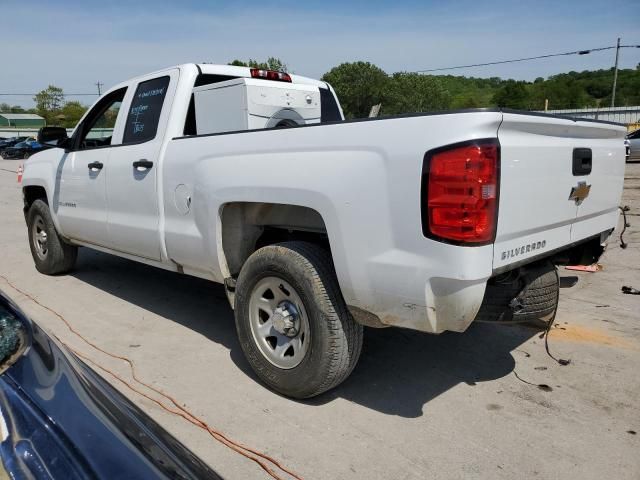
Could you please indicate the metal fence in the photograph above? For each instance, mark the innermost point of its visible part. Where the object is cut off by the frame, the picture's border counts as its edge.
(33, 132)
(629, 116)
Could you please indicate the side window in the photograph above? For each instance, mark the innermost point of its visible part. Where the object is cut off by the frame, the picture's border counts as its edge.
(329, 111)
(97, 127)
(146, 107)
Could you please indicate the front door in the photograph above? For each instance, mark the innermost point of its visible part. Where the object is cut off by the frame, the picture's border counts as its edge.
(80, 195)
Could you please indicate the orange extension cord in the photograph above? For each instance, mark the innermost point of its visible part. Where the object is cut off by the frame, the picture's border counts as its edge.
(260, 458)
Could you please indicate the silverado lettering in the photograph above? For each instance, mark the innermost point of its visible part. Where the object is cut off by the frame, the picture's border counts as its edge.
(529, 247)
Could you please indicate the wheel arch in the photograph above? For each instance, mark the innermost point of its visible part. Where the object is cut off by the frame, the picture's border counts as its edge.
(31, 193)
(247, 226)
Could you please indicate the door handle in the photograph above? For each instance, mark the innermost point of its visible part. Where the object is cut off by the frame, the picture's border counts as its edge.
(142, 164)
(94, 166)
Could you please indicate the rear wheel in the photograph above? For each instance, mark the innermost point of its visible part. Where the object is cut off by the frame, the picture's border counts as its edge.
(293, 325)
(51, 254)
(25, 156)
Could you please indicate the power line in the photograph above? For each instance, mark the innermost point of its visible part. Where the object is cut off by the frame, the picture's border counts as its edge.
(457, 67)
(525, 59)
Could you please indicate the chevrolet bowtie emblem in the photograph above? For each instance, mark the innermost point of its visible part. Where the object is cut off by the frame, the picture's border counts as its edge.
(579, 193)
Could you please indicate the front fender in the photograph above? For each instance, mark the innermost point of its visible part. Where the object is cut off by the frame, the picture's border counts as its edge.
(44, 170)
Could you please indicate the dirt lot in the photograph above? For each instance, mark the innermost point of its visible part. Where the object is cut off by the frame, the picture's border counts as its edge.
(417, 406)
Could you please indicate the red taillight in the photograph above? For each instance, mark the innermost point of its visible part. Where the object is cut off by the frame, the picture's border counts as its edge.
(270, 75)
(460, 193)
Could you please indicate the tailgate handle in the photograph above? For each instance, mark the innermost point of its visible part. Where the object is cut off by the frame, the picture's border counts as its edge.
(581, 161)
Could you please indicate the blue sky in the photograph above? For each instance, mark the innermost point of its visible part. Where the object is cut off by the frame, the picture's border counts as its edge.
(73, 44)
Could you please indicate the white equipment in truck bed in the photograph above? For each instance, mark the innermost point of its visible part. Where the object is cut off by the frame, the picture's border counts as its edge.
(249, 104)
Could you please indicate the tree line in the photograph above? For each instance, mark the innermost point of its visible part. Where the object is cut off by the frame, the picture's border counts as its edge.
(361, 85)
(51, 105)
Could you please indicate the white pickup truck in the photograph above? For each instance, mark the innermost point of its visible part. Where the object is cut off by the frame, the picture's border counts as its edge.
(424, 221)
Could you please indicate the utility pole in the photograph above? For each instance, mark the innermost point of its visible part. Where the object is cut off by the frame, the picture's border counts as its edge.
(615, 76)
(100, 85)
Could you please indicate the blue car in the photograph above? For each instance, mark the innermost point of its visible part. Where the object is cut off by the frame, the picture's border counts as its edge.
(10, 142)
(23, 149)
(60, 420)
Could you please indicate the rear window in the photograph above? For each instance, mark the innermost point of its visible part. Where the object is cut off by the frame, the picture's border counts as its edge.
(146, 107)
(329, 111)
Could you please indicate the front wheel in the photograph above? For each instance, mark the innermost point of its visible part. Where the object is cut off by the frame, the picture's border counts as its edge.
(293, 325)
(51, 254)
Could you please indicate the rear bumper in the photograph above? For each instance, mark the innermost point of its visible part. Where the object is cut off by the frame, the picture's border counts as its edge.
(447, 305)
(419, 292)
(407, 292)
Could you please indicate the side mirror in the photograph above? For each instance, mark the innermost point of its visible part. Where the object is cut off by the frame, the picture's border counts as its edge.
(52, 135)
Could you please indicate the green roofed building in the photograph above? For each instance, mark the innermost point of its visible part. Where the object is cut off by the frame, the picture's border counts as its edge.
(21, 120)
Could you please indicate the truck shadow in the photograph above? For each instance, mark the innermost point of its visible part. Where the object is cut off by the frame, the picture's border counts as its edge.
(399, 372)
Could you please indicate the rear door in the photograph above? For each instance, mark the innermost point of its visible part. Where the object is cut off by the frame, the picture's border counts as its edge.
(132, 185)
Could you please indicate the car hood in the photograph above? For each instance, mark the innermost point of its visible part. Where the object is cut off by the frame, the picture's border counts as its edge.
(59, 419)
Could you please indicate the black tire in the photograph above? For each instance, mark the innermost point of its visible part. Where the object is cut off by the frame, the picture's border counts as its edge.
(59, 256)
(529, 295)
(336, 339)
(25, 156)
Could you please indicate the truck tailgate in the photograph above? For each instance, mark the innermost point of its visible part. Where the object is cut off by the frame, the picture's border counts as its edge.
(538, 177)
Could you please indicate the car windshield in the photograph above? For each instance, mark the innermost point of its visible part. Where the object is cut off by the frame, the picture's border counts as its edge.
(11, 336)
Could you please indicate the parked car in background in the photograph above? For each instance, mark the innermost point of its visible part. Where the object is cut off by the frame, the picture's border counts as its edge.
(59, 419)
(633, 146)
(10, 142)
(24, 149)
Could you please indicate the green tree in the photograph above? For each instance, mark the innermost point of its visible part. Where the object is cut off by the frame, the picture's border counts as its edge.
(359, 86)
(412, 92)
(272, 63)
(71, 113)
(512, 95)
(49, 103)
(467, 101)
(6, 108)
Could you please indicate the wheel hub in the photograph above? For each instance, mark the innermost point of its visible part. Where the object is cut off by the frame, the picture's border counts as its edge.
(279, 322)
(40, 238)
(286, 319)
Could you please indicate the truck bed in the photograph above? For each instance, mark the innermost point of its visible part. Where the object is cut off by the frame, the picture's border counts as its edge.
(363, 178)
